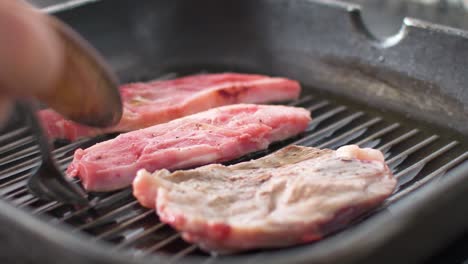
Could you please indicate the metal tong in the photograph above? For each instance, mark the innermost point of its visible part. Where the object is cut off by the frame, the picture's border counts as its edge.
(87, 93)
(48, 182)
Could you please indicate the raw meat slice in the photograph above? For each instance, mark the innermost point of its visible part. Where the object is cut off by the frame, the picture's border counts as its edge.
(147, 104)
(216, 135)
(294, 196)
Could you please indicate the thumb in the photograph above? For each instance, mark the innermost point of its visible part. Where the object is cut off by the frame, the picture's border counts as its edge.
(31, 54)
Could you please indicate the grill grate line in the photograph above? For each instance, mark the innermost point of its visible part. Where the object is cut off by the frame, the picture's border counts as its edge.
(302, 100)
(379, 133)
(413, 149)
(21, 191)
(16, 144)
(164, 242)
(317, 120)
(13, 181)
(125, 224)
(106, 216)
(141, 235)
(324, 132)
(35, 162)
(101, 202)
(10, 135)
(34, 150)
(426, 179)
(58, 154)
(46, 207)
(318, 105)
(23, 187)
(62, 163)
(24, 153)
(14, 170)
(348, 133)
(426, 159)
(12, 187)
(398, 140)
(400, 194)
(27, 202)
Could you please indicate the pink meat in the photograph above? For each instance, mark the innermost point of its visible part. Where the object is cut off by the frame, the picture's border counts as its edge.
(147, 104)
(216, 135)
(296, 195)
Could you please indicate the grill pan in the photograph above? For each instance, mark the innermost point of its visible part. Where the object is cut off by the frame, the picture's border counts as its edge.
(404, 95)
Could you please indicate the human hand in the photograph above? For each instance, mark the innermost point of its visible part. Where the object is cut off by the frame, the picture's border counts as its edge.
(31, 54)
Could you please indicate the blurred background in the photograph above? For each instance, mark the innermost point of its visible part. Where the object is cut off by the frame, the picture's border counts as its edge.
(384, 17)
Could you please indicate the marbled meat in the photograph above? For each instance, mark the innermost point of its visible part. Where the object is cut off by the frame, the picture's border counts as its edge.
(216, 135)
(147, 104)
(293, 196)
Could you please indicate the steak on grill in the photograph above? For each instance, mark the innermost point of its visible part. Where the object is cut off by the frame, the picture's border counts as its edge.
(216, 135)
(296, 195)
(147, 104)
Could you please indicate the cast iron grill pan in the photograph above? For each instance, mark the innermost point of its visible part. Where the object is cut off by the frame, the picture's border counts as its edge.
(360, 89)
(415, 155)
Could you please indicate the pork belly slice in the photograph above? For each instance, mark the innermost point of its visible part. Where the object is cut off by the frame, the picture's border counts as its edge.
(215, 135)
(147, 104)
(293, 196)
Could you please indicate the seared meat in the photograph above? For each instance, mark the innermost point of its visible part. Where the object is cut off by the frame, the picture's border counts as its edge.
(147, 104)
(296, 195)
(215, 135)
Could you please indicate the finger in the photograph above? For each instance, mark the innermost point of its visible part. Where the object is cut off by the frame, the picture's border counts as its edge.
(30, 52)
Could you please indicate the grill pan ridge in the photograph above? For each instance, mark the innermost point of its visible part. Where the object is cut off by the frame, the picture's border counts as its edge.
(362, 90)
